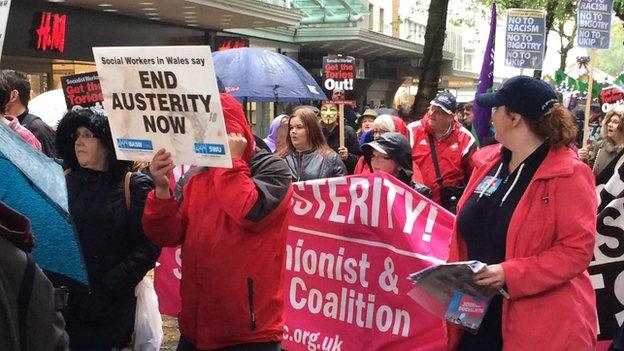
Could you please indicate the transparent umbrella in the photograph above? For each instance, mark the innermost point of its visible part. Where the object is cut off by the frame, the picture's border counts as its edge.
(34, 185)
(50, 106)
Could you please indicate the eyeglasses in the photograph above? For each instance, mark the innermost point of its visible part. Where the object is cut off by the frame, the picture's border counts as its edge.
(85, 135)
(380, 157)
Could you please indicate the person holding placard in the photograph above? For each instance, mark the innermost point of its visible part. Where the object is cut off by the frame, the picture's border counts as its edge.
(529, 213)
(232, 226)
(609, 148)
(350, 152)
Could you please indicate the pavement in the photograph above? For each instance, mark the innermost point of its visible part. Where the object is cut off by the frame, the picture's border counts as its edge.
(171, 333)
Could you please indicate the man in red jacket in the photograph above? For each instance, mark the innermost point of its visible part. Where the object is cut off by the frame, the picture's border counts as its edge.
(453, 146)
(232, 225)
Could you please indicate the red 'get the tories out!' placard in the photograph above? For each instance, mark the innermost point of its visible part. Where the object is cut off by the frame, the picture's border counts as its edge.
(339, 72)
(82, 90)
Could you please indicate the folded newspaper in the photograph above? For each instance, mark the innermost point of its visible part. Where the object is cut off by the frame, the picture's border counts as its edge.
(447, 289)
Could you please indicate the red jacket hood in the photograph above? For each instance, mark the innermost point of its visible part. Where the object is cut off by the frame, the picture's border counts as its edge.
(400, 126)
(236, 122)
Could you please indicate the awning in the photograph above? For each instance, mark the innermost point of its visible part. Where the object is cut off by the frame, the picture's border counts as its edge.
(356, 41)
(213, 14)
(330, 11)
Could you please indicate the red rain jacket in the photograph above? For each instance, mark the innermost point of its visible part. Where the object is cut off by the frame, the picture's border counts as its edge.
(550, 243)
(232, 225)
(454, 155)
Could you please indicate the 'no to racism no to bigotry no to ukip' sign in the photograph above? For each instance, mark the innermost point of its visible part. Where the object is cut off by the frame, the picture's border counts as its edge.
(163, 97)
(524, 39)
(594, 23)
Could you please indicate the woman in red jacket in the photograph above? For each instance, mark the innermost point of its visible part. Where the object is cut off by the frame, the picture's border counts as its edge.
(232, 225)
(529, 212)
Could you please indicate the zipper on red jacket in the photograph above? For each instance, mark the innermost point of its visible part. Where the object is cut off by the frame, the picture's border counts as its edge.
(252, 313)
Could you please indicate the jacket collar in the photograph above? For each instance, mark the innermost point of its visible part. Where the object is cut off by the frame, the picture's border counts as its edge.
(559, 162)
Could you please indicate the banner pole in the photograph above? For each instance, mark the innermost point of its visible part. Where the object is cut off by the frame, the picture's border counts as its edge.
(589, 97)
(341, 124)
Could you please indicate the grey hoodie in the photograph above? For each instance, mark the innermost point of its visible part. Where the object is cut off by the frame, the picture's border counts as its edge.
(44, 325)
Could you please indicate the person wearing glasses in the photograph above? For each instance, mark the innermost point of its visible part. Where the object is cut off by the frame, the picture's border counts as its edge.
(105, 205)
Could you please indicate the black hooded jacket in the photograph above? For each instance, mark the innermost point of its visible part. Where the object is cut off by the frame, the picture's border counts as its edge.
(116, 252)
(351, 143)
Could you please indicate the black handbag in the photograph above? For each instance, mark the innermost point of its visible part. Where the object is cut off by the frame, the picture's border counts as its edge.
(449, 195)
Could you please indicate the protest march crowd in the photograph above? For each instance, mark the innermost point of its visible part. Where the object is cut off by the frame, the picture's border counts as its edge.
(524, 198)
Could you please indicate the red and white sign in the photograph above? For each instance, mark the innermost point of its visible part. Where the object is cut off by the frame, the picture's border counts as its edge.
(51, 32)
(353, 241)
(611, 97)
(339, 72)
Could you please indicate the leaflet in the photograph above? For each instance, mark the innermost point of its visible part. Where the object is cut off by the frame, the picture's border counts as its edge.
(448, 291)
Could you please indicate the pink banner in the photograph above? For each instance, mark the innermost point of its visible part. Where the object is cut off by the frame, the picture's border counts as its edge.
(168, 270)
(353, 241)
(167, 276)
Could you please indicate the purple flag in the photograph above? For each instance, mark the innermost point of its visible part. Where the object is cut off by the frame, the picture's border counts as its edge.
(482, 116)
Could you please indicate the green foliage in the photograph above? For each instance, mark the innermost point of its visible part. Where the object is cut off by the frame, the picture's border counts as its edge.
(578, 85)
(612, 60)
(563, 9)
(618, 7)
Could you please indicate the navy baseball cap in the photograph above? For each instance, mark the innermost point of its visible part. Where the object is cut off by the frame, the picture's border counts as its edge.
(446, 101)
(528, 96)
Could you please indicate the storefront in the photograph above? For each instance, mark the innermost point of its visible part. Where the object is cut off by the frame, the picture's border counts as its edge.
(48, 41)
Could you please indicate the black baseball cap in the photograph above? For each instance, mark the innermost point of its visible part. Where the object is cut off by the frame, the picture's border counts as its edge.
(528, 96)
(446, 101)
(392, 144)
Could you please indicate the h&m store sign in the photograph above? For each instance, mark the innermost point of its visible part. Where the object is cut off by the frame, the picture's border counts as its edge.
(50, 31)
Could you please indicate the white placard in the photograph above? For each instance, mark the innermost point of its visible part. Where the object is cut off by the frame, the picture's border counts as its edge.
(5, 6)
(163, 97)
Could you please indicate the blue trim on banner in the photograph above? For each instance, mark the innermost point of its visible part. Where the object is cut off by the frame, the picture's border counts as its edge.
(210, 149)
(135, 144)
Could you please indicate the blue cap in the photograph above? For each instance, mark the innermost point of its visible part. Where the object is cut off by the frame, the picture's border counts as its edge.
(446, 101)
(528, 96)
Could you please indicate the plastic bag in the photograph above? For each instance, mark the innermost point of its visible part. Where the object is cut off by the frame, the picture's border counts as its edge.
(148, 332)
